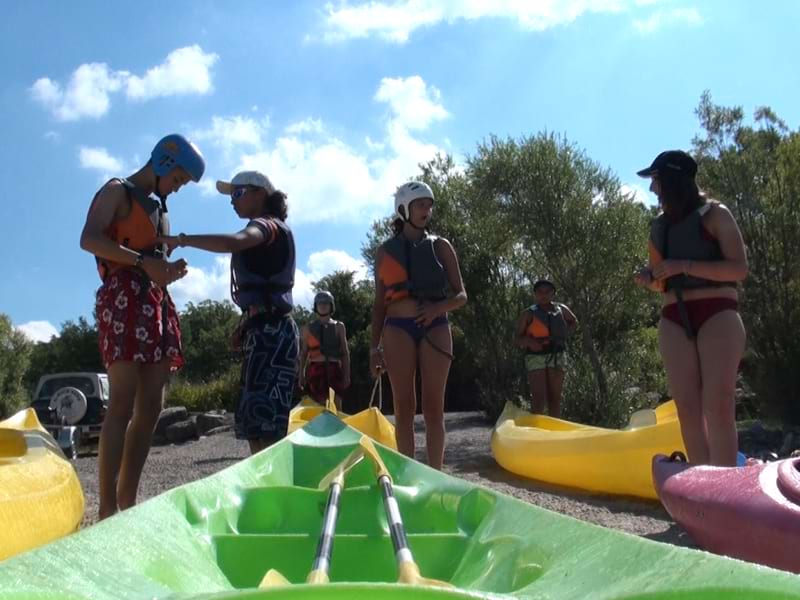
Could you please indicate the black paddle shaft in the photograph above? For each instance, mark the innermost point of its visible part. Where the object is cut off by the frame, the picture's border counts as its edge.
(322, 559)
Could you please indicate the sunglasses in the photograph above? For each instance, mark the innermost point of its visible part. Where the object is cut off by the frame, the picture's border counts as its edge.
(241, 191)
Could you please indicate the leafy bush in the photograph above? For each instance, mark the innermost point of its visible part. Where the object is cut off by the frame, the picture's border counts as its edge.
(636, 380)
(222, 392)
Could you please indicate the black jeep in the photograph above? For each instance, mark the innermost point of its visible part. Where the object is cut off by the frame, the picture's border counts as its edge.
(72, 406)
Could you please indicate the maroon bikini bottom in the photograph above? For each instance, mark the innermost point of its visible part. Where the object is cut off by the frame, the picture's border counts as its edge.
(698, 311)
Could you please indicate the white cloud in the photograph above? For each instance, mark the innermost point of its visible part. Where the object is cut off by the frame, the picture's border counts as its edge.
(208, 186)
(232, 133)
(328, 261)
(38, 331)
(328, 179)
(302, 292)
(52, 136)
(88, 92)
(185, 71)
(319, 265)
(308, 125)
(413, 103)
(199, 284)
(661, 18)
(396, 21)
(99, 159)
(638, 192)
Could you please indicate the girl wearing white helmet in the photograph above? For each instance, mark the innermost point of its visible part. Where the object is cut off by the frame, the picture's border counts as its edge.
(417, 282)
(139, 333)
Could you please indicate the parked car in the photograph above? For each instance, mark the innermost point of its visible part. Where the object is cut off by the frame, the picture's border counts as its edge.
(72, 406)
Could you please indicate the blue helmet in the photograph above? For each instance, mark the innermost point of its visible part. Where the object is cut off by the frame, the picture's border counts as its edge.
(175, 150)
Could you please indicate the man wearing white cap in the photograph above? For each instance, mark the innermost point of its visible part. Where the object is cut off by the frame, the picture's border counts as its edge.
(262, 278)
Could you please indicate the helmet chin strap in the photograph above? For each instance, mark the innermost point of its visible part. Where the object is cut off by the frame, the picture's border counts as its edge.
(410, 222)
(163, 199)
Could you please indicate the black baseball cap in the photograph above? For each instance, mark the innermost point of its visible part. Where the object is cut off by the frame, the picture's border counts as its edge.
(676, 161)
(543, 283)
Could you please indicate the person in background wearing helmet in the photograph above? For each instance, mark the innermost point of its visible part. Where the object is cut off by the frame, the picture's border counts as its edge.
(417, 282)
(262, 278)
(697, 257)
(542, 331)
(324, 353)
(139, 333)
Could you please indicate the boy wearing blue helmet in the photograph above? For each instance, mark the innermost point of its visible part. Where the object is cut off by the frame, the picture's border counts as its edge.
(139, 333)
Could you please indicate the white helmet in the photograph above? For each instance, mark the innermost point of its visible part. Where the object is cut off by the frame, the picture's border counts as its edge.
(407, 193)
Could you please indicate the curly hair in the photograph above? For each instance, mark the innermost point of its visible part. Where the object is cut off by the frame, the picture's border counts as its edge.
(275, 205)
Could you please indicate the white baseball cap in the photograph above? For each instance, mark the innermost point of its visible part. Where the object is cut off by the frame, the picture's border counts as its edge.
(253, 178)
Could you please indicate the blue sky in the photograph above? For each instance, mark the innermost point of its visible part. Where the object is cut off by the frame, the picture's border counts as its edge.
(338, 102)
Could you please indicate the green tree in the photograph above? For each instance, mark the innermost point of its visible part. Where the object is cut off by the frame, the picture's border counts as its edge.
(539, 207)
(74, 349)
(755, 171)
(573, 224)
(206, 329)
(15, 351)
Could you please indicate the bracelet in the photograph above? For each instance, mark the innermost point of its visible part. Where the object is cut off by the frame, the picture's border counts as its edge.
(181, 240)
(687, 267)
(139, 262)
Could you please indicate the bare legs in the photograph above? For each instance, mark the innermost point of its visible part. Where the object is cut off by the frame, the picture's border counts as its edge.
(401, 360)
(136, 398)
(702, 376)
(546, 386)
(435, 368)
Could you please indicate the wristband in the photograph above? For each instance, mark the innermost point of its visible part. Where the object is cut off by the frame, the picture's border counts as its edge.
(139, 262)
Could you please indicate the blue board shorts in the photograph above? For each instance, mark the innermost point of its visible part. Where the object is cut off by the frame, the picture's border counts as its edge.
(269, 372)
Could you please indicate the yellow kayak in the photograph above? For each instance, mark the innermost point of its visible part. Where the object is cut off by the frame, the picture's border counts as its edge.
(611, 461)
(370, 421)
(40, 495)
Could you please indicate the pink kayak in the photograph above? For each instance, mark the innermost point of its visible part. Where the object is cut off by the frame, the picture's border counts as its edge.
(750, 512)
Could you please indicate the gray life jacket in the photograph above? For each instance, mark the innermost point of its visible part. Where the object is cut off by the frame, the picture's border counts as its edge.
(264, 274)
(326, 335)
(685, 240)
(426, 276)
(556, 326)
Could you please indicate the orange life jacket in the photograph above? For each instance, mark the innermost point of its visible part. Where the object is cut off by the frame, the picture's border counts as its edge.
(548, 324)
(146, 220)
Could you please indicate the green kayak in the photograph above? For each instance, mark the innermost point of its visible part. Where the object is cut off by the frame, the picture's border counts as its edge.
(218, 538)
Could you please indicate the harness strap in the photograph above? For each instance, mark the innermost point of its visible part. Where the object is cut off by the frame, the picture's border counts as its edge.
(684, 314)
(377, 386)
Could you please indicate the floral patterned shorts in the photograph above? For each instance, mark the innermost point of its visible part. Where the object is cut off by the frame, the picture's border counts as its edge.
(137, 321)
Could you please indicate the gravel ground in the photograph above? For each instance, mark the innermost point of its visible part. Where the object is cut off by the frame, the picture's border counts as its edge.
(467, 456)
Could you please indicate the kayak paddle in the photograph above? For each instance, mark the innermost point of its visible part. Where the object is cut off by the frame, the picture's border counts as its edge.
(334, 482)
(407, 568)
